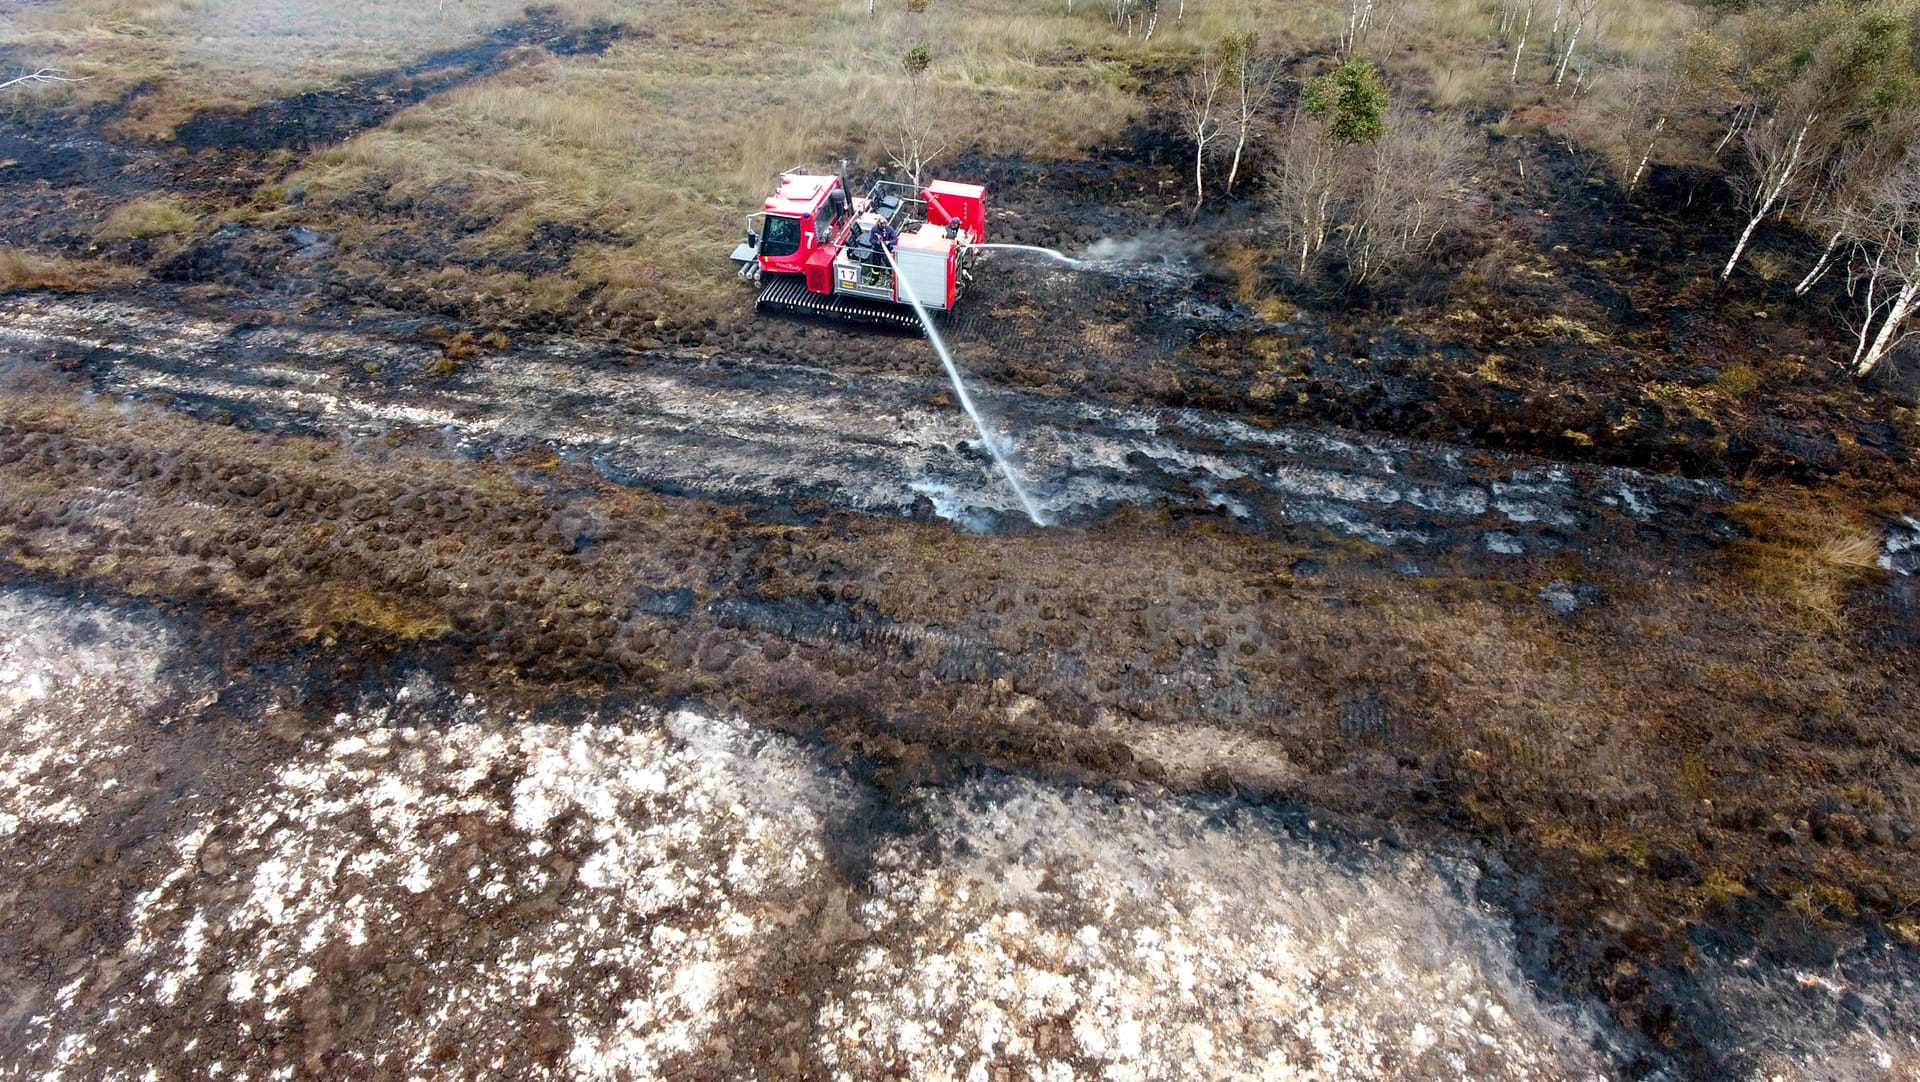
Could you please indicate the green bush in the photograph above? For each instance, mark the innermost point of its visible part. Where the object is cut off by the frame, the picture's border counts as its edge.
(1352, 100)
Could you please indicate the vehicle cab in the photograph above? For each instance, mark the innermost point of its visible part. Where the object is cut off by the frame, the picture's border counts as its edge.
(807, 212)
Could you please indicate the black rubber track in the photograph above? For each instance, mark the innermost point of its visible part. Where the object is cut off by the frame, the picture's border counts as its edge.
(788, 293)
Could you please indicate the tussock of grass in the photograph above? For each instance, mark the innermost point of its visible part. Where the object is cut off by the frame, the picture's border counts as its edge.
(21, 269)
(148, 218)
(1737, 380)
(1805, 557)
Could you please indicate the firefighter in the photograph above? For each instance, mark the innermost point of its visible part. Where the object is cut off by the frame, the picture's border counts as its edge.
(883, 233)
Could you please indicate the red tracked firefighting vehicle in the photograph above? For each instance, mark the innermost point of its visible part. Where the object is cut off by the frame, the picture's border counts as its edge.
(813, 249)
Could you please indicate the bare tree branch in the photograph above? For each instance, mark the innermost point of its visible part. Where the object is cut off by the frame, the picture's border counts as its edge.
(1304, 184)
(44, 75)
(1413, 191)
(1777, 151)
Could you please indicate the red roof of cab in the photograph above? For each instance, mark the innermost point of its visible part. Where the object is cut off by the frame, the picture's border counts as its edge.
(799, 193)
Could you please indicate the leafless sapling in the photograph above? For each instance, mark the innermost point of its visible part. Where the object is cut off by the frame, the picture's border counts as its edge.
(1845, 194)
(1304, 183)
(1252, 79)
(1365, 18)
(1413, 190)
(1778, 148)
(1199, 105)
(1585, 14)
(916, 142)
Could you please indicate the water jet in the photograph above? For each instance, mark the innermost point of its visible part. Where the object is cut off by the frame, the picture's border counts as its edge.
(966, 400)
(1048, 252)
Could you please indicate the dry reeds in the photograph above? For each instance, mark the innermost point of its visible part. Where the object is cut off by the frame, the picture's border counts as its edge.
(1805, 557)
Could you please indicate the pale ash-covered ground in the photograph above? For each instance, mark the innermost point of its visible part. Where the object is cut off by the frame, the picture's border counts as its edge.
(431, 887)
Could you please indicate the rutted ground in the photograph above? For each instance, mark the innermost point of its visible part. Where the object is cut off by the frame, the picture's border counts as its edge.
(434, 884)
(734, 428)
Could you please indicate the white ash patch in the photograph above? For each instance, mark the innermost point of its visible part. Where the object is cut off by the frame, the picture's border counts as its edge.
(1084, 937)
(492, 898)
(574, 902)
(1502, 542)
(74, 680)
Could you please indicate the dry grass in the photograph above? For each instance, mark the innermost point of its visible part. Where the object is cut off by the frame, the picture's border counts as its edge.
(659, 146)
(20, 269)
(336, 608)
(663, 144)
(189, 55)
(1738, 380)
(1805, 557)
(153, 217)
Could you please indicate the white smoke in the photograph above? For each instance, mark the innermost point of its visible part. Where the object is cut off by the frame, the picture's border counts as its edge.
(1158, 246)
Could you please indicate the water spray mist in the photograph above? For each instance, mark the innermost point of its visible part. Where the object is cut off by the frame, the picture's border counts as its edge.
(960, 389)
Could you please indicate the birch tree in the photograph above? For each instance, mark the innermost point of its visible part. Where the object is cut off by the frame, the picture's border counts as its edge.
(1520, 46)
(917, 137)
(1585, 14)
(1885, 276)
(1251, 79)
(1131, 14)
(1845, 199)
(1303, 183)
(1778, 150)
(1846, 83)
(1692, 82)
(1379, 189)
(1200, 104)
(1414, 189)
(1365, 18)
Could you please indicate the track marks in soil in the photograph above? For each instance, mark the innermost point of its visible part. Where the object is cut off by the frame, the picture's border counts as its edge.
(738, 429)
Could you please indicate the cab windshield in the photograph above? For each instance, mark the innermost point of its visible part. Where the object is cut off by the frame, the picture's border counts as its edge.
(780, 236)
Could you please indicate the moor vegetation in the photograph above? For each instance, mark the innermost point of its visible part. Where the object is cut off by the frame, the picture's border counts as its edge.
(1681, 236)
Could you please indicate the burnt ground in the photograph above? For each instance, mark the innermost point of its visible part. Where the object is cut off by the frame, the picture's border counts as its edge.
(1510, 565)
(63, 173)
